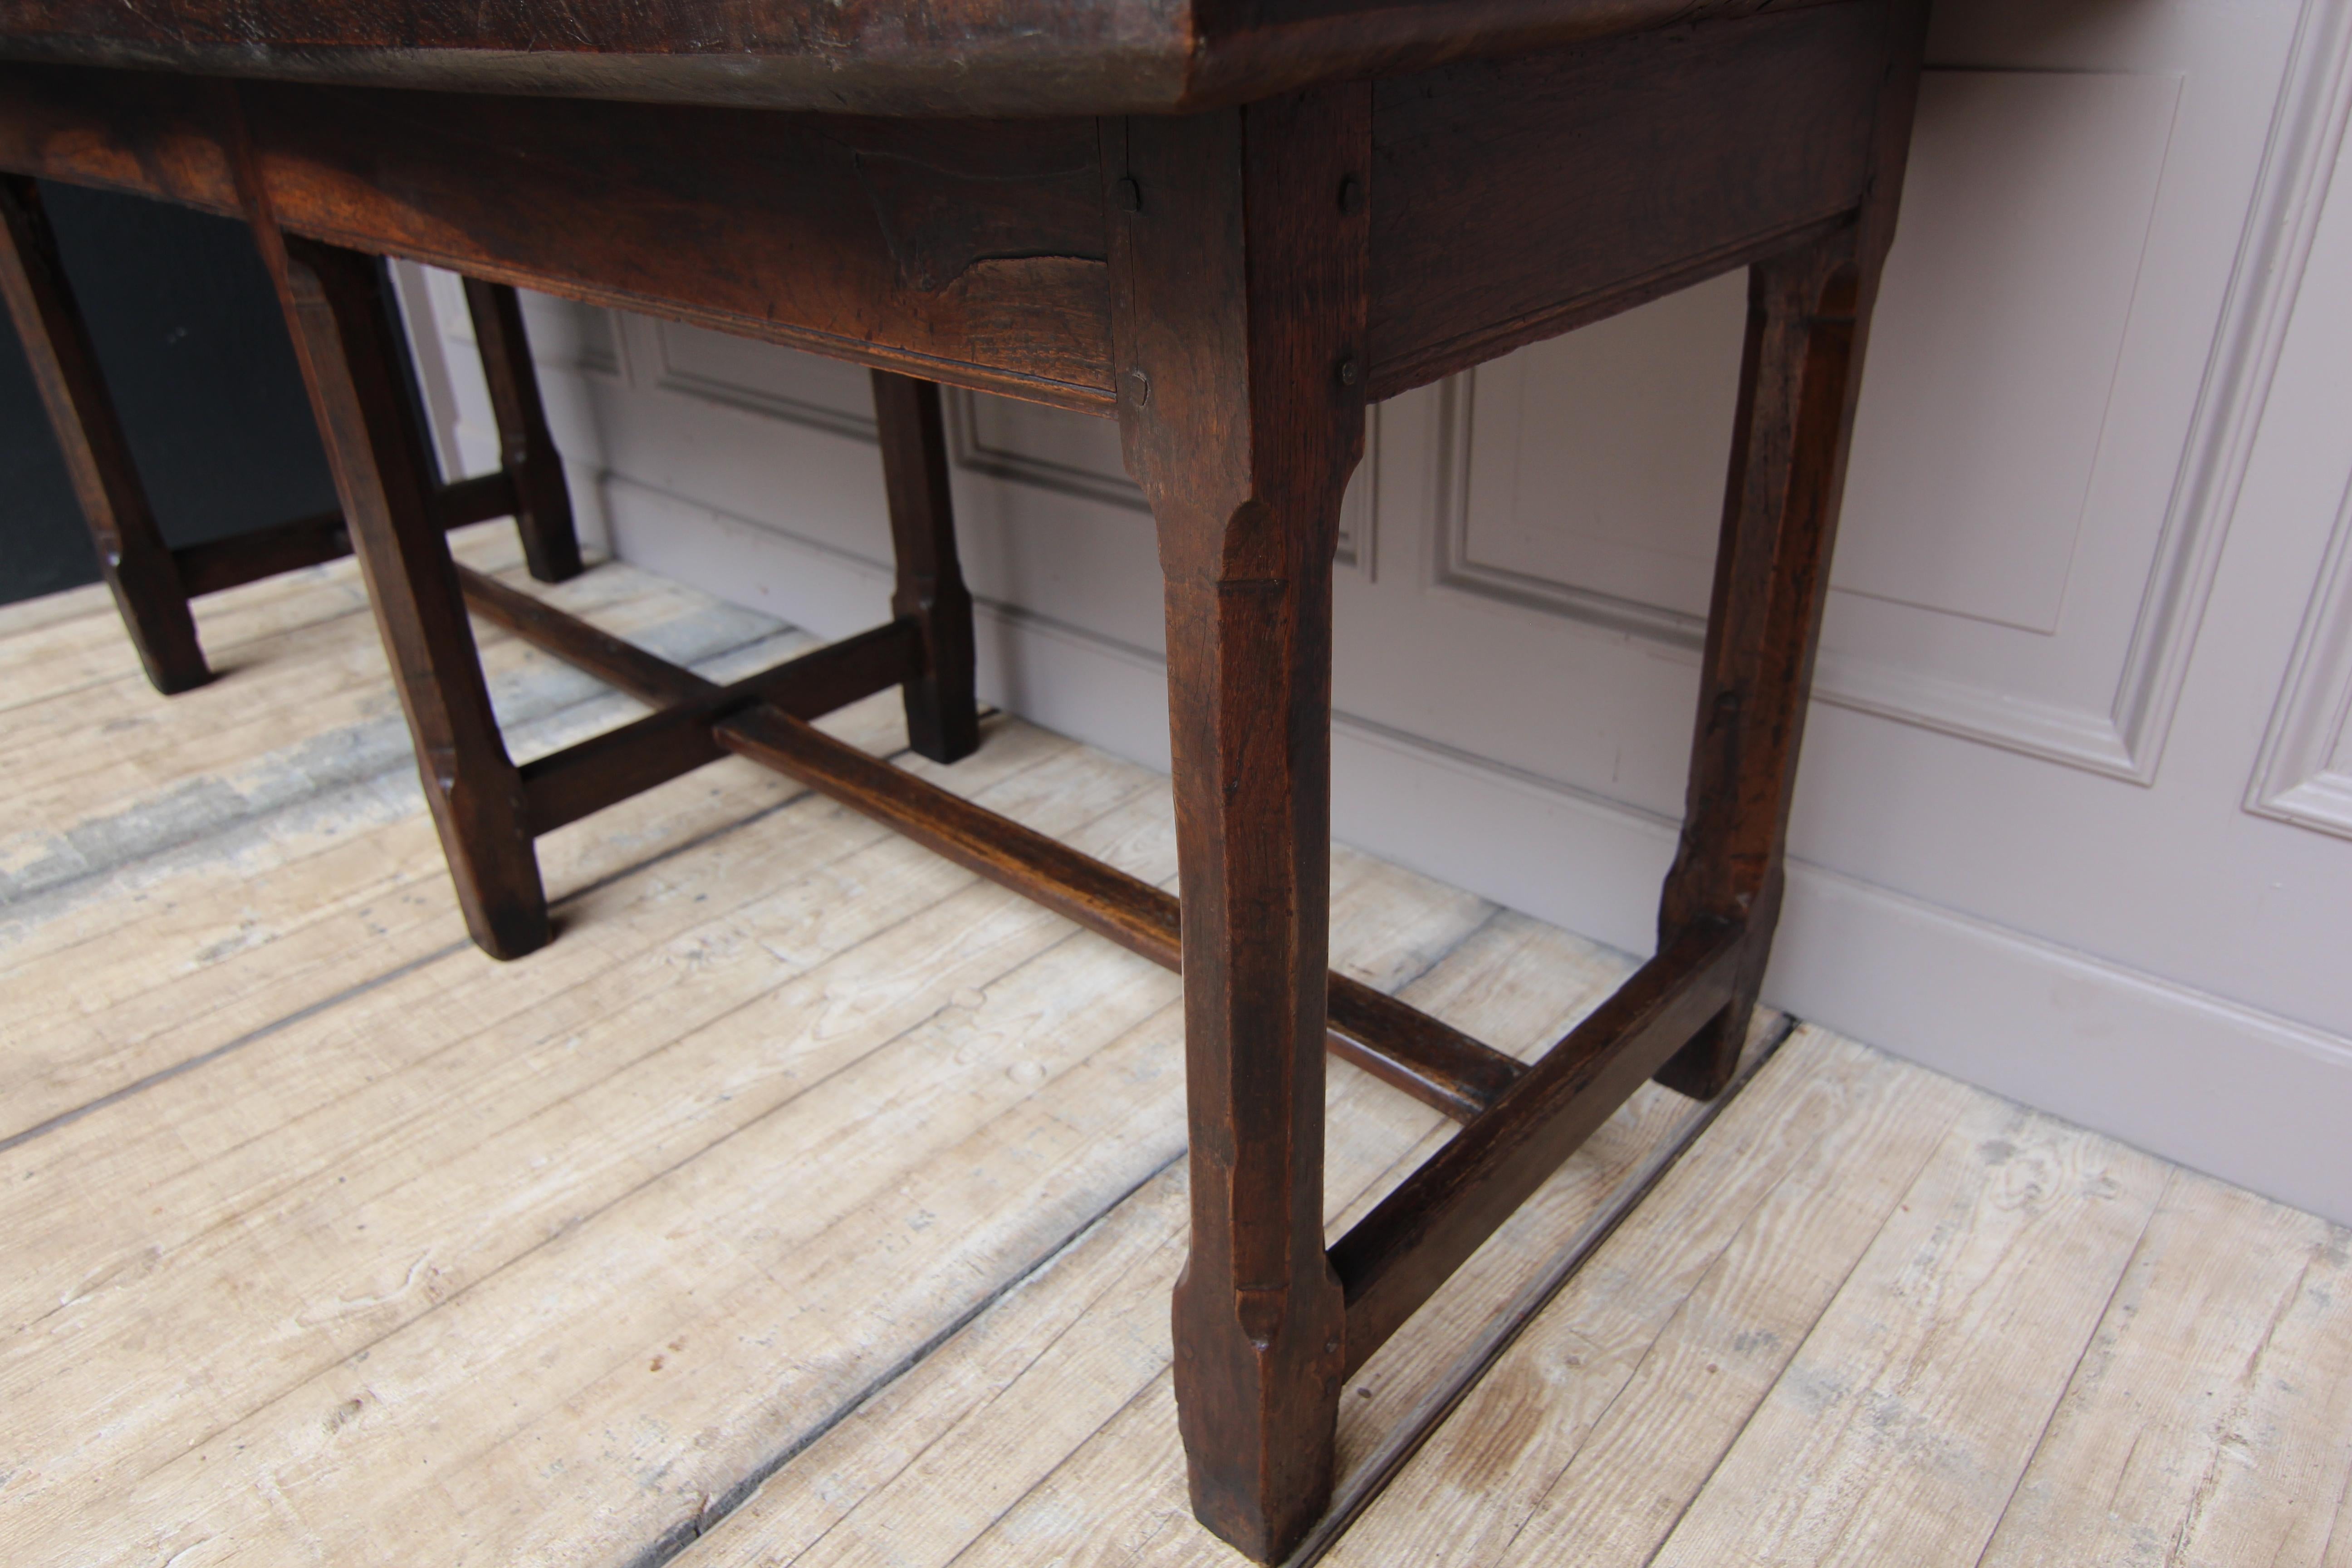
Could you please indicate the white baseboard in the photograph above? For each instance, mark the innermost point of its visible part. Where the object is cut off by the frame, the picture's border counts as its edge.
(2240, 1094)
(2226, 1088)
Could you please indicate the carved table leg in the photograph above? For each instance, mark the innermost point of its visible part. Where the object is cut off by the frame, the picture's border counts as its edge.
(942, 718)
(348, 336)
(1238, 273)
(130, 550)
(542, 498)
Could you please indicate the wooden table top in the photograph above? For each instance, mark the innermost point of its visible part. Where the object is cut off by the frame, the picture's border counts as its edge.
(866, 56)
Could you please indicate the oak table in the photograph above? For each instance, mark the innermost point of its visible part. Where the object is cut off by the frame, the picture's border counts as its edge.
(1227, 226)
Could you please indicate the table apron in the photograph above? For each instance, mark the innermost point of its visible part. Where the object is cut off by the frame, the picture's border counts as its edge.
(1511, 200)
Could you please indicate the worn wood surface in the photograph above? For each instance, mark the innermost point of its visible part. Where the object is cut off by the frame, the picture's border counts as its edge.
(333, 1240)
(1238, 260)
(1605, 177)
(923, 57)
(1401, 1252)
(1808, 315)
(902, 243)
(1510, 200)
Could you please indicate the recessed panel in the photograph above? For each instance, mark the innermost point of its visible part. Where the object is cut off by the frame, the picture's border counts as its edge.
(763, 378)
(1596, 461)
(1998, 334)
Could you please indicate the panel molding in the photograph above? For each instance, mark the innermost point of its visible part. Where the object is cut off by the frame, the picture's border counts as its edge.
(638, 357)
(653, 367)
(971, 451)
(1452, 567)
(2273, 251)
(2125, 741)
(2295, 778)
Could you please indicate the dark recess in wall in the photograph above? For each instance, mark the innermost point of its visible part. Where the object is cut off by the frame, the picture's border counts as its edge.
(190, 338)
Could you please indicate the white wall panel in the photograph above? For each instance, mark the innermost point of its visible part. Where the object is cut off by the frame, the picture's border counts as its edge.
(1589, 468)
(2000, 335)
(2304, 773)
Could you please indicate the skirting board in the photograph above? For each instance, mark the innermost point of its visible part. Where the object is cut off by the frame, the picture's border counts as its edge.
(2250, 1098)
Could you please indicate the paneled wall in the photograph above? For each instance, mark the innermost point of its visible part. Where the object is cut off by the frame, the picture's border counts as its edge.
(2075, 815)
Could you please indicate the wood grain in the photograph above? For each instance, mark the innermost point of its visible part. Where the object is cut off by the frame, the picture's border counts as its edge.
(2212, 1416)
(932, 57)
(1589, 1437)
(283, 879)
(353, 348)
(1565, 216)
(547, 1083)
(1066, 1449)
(1898, 1432)
(427, 1013)
(1238, 259)
(959, 251)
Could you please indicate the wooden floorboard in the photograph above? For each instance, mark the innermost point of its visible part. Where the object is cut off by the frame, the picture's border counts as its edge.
(810, 1201)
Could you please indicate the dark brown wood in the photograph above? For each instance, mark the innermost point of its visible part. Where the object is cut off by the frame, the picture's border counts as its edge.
(1801, 378)
(1240, 285)
(130, 551)
(529, 463)
(963, 251)
(616, 661)
(612, 766)
(316, 540)
(1407, 1049)
(219, 563)
(953, 250)
(942, 716)
(1605, 177)
(477, 500)
(1434, 1063)
(349, 339)
(1397, 1256)
(927, 57)
(971, 253)
(136, 131)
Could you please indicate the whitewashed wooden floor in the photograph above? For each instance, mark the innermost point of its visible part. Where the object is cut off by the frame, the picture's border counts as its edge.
(810, 1202)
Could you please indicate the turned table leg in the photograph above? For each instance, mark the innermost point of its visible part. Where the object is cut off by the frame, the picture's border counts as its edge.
(942, 718)
(347, 335)
(131, 549)
(542, 498)
(1238, 246)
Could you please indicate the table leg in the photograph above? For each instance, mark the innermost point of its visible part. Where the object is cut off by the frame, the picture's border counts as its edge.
(347, 335)
(131, 549)
(943, 717)
(1807, 325)
(1771, 576)
(1238, 274)
(527, 448)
